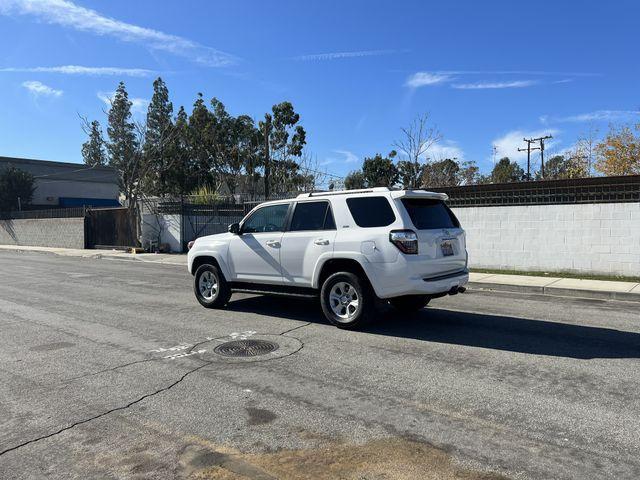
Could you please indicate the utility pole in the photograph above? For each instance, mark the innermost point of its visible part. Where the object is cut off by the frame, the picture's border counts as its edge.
(528, 150)
(267, 154)
(541, 148)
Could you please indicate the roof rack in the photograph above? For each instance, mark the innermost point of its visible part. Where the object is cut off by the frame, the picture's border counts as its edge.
(344, 192)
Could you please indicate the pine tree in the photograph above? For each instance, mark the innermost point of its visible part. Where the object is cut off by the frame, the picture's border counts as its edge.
(180, 177)
(124, 152)
(123, 144)
(159, 129)
(93, 149)
(200, 123)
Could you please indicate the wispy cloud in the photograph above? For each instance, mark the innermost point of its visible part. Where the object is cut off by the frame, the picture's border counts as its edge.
(518, 72)
(494, 85)
(339, 55)
(422, 79)
(596, 116)
(507, 145)
(39, 89)
(348, 157)
(435, 77)
(68, 14)
(138, 105)
(81, 70)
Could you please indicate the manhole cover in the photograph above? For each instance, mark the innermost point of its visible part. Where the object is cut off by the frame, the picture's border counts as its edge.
(245, 348)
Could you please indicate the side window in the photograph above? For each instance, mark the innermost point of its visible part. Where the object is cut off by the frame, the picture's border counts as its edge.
(371, 211)
(266, 219)
(312, 216)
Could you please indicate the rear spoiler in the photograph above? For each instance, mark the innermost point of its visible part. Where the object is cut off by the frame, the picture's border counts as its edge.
(419, 194)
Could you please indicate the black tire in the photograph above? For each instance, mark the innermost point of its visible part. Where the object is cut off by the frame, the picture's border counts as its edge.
(409, 303)
(362, 291)
(222, 294)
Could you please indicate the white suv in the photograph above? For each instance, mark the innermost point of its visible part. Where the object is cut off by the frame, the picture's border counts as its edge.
(349, 247)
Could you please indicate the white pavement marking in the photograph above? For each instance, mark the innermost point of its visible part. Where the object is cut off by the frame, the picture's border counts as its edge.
(186, 354)
(242, 335)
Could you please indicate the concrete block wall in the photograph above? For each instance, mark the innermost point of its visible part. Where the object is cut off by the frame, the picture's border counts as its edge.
(43, 232)
(582, 238)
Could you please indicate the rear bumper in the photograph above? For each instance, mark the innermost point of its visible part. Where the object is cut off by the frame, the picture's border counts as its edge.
(391, 280)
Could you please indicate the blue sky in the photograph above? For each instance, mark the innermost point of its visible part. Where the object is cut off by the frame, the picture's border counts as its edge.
(488, 73)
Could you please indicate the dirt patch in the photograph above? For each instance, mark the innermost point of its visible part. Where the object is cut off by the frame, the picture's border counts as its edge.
(386, 459)
(260, 416)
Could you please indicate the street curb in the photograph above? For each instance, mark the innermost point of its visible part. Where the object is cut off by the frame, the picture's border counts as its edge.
(556, 291)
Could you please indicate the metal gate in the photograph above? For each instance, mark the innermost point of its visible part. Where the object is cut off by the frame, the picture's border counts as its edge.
(108, 227)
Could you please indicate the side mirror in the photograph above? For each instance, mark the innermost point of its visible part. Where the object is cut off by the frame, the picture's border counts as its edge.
(234, 228)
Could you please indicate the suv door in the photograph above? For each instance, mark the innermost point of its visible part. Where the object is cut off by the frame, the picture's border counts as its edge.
(310, 235)
(254, 255)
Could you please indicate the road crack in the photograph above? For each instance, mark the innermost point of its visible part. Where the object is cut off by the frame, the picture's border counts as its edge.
(103, 414)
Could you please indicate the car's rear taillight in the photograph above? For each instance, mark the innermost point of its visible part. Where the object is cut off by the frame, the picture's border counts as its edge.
(405, 240)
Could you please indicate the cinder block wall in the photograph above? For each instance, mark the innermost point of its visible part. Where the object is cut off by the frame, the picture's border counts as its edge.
(582, 238)
(43, 232)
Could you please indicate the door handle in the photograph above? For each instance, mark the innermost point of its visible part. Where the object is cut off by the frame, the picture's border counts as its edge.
(273, 243)
(321, 241)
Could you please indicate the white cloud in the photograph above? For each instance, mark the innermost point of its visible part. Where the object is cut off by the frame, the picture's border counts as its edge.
(518, 72)
(508, 144)
(81, 70)
(339, 55)
(597, 116)
(138, 105)
(348, 157)
(68, 14)
(445, 149)
(421, 79)
(39, 89)
(494, 85)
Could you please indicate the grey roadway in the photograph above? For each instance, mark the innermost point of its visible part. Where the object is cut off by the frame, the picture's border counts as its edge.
(107, 370)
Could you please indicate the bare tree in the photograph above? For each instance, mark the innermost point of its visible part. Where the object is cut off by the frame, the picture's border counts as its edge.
(586, 147)
(416, 141)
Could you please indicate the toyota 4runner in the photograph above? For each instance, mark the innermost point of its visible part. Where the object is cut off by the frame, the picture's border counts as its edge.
(350, 248)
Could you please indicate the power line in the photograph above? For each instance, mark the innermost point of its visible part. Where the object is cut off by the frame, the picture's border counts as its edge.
(541, 140)
(528, 150)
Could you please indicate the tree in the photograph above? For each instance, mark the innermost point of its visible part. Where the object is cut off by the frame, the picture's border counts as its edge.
(559, 166)
(180, 179)
(282, 139)
(93, 149)
(469, 173)
(444, 173)
(380, 171)
(16, 189)
(619, 152)
(200, 142)
(354, 180)
(124, 151)
(158, 132)
(506, 171)
(416, 141)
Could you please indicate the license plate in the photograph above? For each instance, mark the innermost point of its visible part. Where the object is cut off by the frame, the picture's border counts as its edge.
(447, 249)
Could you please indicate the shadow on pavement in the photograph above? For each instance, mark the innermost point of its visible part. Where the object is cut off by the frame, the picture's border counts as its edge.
(538, 337)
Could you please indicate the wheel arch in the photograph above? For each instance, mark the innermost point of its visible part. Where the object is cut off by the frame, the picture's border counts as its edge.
(341, 264)
(208, 258)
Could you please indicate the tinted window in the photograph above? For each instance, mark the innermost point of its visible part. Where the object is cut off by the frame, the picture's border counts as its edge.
(429, 214)
(312, 216)
(371, 211)
(266, 219)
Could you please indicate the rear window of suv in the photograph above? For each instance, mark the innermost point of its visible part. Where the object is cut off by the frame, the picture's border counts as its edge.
(371, 211)
(427, 213)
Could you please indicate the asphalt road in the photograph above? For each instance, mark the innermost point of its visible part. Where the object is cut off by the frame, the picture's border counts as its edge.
(107, 370)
